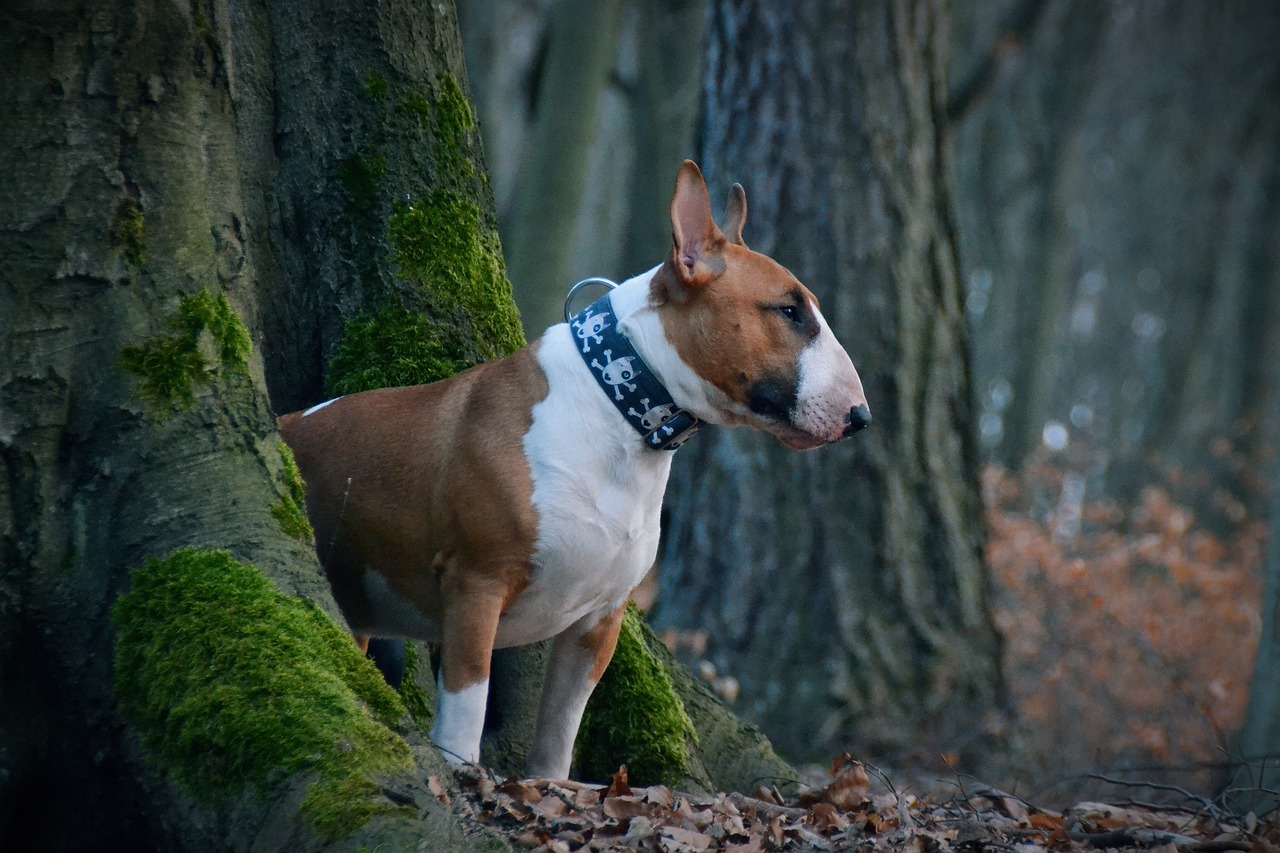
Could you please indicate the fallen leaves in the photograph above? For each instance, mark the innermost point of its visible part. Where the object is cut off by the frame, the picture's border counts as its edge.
(549, 816)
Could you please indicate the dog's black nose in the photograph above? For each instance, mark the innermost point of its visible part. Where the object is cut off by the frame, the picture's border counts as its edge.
(859, 417)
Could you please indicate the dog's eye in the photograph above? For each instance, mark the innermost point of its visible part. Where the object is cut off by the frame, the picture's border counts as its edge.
(790, 312)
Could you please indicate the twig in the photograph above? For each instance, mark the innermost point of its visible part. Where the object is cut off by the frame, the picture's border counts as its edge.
(742, 801)
(1205, 804)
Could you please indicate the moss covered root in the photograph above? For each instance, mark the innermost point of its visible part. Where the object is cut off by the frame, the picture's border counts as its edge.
(635, 717)
(233, 684)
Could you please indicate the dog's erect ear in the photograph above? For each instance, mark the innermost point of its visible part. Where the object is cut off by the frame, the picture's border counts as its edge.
(735, 215)
(697, 242)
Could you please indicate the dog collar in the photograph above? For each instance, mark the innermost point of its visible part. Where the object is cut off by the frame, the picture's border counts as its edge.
(627, 381)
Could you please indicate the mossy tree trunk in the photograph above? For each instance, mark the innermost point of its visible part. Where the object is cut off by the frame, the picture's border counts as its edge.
(213, 214)
(844, 588)
(153, 248)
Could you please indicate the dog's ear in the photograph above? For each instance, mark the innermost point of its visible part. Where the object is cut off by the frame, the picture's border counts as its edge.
(697, 243)
(735, 215)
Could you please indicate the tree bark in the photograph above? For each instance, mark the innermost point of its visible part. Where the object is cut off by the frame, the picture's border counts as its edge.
(843, 588)
(206, 208)
(145, 235)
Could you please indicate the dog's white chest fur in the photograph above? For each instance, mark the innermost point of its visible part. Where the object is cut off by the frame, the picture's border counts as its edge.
(598, 493)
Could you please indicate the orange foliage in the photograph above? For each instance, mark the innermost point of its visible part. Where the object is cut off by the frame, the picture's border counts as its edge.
(1130, 637)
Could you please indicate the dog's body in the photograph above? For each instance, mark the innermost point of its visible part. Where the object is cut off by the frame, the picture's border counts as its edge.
(514, 502)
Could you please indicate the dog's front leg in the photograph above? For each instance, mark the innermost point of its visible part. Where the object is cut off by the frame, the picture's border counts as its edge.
(470, 625)
(579, 656)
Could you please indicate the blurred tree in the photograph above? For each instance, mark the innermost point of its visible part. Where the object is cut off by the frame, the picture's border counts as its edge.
(1118, 203)
(844, 588)
(1256, 753)
(587, 111)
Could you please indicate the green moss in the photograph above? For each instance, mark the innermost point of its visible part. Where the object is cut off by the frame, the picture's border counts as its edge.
(415, 699)
(416, 106)
(376, 85)
(455, 124)
(173, 363)
(129, 232)
(290, 511)
(231, 684)
(635, 717)
(392, 347)
(446, 246)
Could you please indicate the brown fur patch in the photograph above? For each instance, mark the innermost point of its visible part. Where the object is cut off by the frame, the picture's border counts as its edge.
(601, 641)
(729, 331)
(428, 487)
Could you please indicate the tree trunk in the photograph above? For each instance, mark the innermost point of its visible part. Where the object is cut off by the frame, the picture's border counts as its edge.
(843, 588)
(152, 165)
(582, 38)
(1256, 754)
(1119, 199)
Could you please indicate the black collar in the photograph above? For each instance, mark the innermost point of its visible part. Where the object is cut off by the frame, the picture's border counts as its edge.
(627, 381)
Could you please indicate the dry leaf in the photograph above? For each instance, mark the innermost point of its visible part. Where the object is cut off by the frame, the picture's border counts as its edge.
(622, 808)
(673, 839)
(827, 817)
(437, 787)
(619, 787)
(850, 787)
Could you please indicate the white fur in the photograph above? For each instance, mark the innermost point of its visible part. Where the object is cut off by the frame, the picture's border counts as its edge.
(565, 692)
(460, 722)
(598, 493)
(318, 406)
(829, 387)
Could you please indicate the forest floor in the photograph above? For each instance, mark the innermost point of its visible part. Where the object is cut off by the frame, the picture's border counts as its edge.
(856, 810)
(1129, 635)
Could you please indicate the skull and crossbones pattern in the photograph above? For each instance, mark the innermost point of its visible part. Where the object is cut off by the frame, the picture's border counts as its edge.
(653, 417)
(589, 328)
(617, 371)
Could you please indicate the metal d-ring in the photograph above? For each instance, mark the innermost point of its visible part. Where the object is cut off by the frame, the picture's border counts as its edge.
(586, 282)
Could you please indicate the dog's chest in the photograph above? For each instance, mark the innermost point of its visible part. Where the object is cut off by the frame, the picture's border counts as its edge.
(598, 494)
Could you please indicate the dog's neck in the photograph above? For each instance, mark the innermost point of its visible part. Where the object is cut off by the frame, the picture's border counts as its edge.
(623, 375)
(640, 319)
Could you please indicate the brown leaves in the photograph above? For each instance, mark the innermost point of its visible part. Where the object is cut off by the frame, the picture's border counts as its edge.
(850, 812)
(1128, 630)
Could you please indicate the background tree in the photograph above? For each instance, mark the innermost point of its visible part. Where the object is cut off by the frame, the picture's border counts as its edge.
(588, 109)
(1116, 197)
(1256, 757)
(847, 594)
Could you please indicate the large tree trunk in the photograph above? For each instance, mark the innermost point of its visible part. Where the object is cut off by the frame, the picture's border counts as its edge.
(843, 588)
(1119, 200)
(145, 238)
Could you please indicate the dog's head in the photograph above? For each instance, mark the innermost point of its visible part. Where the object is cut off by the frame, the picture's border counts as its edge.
(762, 353)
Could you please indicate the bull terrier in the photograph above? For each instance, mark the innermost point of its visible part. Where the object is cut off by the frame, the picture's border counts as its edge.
(519, 500)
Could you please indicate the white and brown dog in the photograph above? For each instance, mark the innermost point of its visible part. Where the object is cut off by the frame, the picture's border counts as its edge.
(519, 500)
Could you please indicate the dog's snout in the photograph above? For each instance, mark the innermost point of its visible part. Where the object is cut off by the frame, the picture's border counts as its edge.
(859, 418)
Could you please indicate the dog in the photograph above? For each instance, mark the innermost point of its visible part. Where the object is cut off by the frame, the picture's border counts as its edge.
(519, 500)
